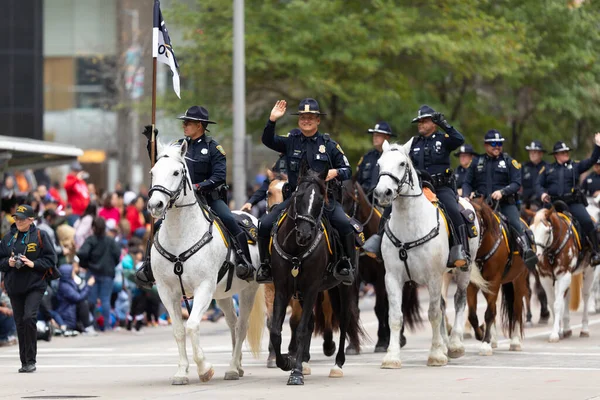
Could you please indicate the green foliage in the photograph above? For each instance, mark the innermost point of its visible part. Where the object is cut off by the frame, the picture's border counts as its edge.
(526, 68)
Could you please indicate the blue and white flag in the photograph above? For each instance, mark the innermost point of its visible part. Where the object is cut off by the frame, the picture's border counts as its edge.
(161, 46)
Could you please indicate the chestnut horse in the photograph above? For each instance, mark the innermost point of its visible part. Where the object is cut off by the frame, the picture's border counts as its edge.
(499, 268)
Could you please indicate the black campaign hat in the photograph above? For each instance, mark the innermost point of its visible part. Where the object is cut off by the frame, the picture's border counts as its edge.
(24, 211)
(465, 149)
(560, 146)
(535, 145)
(493, 136)
(196, 113)
(309, 106)
(424, 112)
(382, 127)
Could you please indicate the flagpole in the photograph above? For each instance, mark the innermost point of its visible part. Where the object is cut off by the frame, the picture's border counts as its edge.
(153, 135)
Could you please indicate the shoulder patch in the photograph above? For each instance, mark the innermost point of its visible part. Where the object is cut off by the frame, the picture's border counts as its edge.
(360, 161)
(516, 164)
(446, 135)
(220, 148)
(339, 148)
(542, 170)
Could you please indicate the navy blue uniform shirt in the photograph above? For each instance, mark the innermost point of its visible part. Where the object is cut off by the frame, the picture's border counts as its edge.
(432, 153)
(367, 172)
(487, 174)
(529, 176)
(591, 184)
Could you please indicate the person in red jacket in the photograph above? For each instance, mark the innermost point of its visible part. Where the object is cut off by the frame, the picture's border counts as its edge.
(136, 218)
(77, 190)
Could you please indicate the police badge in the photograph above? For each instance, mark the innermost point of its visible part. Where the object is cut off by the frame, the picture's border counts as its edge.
(322, 148)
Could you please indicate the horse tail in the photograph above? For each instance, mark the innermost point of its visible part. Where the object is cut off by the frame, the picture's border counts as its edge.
(256, 322)
(576, 283)
(325, 318)
(410, 306)
(477, 279)
(355, 332)
(508, 308)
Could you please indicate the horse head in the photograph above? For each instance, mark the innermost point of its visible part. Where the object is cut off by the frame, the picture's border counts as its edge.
(397, 176)
(169, 179)
(307, 205)
(542, 229)
(275, 190)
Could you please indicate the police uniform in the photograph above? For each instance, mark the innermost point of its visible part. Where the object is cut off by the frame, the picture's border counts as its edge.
(502, 173)
(321, 153)
(560, 181)
(460, 172)
(591, 183)
(367, 173)
(530, 174)
(280, 166)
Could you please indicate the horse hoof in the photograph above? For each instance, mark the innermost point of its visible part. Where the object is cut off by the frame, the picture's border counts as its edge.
(336, 372)
(543, 321)
(295, 380)
(456, 353)
(486, 349)
(567, 334)
(232, 376)
(528, 324)
(241, 372)
(180, 380)
(584, 334)
(208, 375)
(379, 349)
(271, 363)
(350, 351)
(329, 349)
(437, 361)
(515, 347)
(306, 368)
(392, 364)
(554, 338)
(467, 335)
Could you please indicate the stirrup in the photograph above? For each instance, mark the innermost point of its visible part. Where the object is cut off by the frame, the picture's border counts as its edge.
(245, 271)
(264, 275)
(530, 259)
(345, 279)
(143, 277)
(458, 257)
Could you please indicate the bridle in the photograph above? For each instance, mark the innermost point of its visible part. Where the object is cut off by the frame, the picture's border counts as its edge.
(183, 186)
(407, 178)
(551, 243)
(313, 222)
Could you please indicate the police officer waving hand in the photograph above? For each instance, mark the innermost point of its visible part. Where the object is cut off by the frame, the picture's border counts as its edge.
(559, 181)
(368, 173)
(321, 153)
(498, 175)
(207, 165)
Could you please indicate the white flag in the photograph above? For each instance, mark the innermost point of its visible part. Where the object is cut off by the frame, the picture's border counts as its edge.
(161, 46)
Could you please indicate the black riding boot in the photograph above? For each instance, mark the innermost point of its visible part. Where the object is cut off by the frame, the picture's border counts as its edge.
(595, 260)
(344, 270)
(144, 278)
(264, 271)
(244, 269)
(527, 254)
(372, 246)
(459, 256)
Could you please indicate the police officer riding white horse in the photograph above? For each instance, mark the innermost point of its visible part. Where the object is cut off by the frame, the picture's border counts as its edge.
(430, 153)
(207, 166)
(497, 177)
(560, 181)
(321, 153)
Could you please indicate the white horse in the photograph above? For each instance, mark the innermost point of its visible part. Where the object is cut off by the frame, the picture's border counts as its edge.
(414, 221)
(593, 209)
(184, 225)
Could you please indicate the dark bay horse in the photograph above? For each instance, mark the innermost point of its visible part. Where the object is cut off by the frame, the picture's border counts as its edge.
(500, 269)
(301, 262)
(370, 270)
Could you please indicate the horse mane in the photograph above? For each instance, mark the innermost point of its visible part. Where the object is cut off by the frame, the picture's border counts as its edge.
(487, 215)
(313, 177)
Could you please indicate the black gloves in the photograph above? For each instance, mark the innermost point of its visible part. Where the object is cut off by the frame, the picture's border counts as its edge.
(148, 132)
(439, 119)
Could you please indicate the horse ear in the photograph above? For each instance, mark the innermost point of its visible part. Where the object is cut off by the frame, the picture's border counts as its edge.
(406, 147)
(304, 167)
(548, 212)
(270, 175)
(159, 146)
(183, 149)
(386, 145)
(323, 174)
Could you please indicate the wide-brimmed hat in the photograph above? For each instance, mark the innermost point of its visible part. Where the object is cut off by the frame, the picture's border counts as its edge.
(465, 149)
(535, 145)
(24, 211)
(493, 136)
(382, 127)
(559, 147)
(424, 112)
(309, 106)
(196, 113)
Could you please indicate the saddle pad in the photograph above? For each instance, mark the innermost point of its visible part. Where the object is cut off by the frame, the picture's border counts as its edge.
(249, 228)
(443, 214)
(282, 218)
(216, 222)
(430, 195)
(574, 227)
(503, 229)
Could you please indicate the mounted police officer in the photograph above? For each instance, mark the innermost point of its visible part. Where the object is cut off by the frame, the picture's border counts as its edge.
(591, 183)
(207, 166)
(279, 167)
(430, 152)
(465, 156)
(320, 152)
(559, 181)
(368, 172)
(531, 170)
(498, 175)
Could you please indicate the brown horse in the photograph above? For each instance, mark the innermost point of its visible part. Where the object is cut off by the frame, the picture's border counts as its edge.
(499, 268)
(325, 322)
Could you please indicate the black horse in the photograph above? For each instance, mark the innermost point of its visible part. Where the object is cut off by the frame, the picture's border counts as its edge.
(301, 264)
(357, 205)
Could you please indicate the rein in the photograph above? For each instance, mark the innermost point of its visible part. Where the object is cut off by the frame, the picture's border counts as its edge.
(183, 186)
(407, 178)
(550, 243)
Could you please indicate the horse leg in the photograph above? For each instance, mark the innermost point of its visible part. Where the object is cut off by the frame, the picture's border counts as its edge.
(269, 298)
(326, 307)
(340, 359)
(226, 305)
(202, 299)
(472, 291)
(588, 280)
(294, 321)
(596, 291)
(282, 298)
(173, 305)
(306, 370)
(309, 299)
(528, 321)
(246, 298)
(566, 319)
(381, 311)
(436, 357)
(394, 286)
(443, 327)
(485, 348)
(447, 278)
(521, 288)
(456, 347)
(543, 298)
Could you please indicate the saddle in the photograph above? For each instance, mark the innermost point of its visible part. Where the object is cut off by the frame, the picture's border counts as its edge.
(249, 228)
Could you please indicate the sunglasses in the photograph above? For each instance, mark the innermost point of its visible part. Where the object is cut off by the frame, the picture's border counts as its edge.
(186, 122)
(495, 144)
